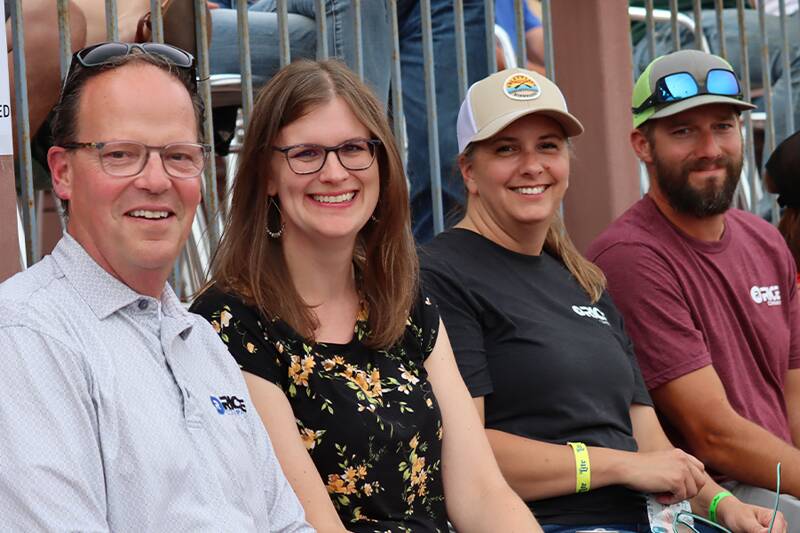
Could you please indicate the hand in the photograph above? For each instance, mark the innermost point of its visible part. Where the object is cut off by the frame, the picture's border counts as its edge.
(671, 475)
(212, 5)
(741, 517)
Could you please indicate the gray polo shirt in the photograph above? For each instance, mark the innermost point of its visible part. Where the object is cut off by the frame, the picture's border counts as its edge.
(121, 412)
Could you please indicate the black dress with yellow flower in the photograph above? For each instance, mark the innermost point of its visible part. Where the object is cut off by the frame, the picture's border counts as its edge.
(368, 417)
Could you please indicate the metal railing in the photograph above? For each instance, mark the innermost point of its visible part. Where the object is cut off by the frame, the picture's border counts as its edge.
(239, 87)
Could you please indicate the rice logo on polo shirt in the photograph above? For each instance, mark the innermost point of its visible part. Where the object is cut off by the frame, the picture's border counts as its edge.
(521, 87)
(770, 295)
(591, 311)
(232, 405)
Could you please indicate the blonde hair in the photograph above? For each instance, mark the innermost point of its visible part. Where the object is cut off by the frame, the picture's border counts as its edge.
(558, 244)
(385, 260)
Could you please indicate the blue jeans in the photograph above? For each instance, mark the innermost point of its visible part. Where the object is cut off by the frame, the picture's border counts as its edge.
(751, 27)
(264, 38)
(447, 100)
(620, 528)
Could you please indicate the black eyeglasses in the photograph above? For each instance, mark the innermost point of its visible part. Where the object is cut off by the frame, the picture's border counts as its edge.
(355, 154)
(123, 159)
(683, 85)
(101, 54)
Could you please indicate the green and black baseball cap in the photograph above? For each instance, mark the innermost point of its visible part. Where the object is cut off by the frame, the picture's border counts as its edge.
(684, 80)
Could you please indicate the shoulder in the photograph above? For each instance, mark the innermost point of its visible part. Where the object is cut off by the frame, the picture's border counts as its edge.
(752, 227)
(216, 305)
(636, 227)
(422, 328)
(39, 302)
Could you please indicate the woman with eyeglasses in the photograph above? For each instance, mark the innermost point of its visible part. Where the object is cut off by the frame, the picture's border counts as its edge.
(539, 343)
(315, 292)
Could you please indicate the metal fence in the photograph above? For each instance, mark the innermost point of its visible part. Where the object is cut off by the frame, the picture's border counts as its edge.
(666, 30)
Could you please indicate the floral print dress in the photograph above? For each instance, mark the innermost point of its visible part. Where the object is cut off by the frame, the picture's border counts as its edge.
(368, 417)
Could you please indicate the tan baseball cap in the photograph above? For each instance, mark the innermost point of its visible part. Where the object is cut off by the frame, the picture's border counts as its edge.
(498, 100)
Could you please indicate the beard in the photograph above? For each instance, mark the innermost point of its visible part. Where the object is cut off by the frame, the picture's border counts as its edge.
(712, 198)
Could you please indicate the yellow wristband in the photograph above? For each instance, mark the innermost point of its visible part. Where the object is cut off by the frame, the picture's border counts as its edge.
(583, 470)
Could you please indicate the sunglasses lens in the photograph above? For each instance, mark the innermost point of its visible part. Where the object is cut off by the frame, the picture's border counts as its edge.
(174, 55)
(722, 82)
(679, 86)
(102, 53)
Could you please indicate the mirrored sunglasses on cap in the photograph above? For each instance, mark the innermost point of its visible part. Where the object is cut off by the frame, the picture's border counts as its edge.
(682, 85)
(101, 54)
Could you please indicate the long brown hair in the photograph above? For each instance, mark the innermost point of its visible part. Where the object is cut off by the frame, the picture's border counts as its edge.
(252, 265)
(558, 244)
(789, 226)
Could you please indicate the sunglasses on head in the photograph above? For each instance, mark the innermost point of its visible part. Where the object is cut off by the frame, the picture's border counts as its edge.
(101, 54)
(682, 85)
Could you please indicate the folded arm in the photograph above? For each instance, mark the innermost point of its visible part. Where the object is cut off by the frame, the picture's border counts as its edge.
(724, 440)
(477, 496)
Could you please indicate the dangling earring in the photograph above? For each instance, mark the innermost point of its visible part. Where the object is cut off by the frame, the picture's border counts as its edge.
(270, 233)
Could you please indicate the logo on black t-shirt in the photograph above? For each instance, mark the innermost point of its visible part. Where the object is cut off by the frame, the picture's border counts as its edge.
(591, 312)
(770, 295)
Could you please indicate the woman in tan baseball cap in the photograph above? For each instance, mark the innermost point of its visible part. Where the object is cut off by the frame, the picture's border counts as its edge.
(537, 339)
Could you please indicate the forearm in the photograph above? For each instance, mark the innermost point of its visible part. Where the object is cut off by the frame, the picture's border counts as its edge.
(748, 453)
(501, 510)
(537, 470)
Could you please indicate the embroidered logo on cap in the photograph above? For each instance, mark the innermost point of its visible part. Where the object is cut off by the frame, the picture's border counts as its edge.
(521, 87)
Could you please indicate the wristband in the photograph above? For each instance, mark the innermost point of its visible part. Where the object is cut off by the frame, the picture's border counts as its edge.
(583, 470)
(712, 508)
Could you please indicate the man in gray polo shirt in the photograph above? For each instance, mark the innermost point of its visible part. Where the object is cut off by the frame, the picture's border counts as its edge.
(121, 411)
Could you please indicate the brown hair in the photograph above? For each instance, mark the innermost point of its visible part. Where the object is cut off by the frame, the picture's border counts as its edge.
(789, 226)
(252, 265)
(558, 244)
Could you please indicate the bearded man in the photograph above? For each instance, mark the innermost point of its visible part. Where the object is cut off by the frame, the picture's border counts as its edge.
(708, 292)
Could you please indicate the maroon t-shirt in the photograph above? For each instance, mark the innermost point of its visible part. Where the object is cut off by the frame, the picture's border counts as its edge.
(688, 303)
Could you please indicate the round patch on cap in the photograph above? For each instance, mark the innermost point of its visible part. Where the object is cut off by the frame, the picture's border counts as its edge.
(521, 87)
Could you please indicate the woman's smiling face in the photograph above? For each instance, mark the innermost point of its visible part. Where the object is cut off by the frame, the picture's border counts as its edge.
(334, 202)
(517, 179)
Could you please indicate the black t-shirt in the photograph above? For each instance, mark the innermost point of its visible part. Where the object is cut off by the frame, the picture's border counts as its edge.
(369, 418)
(551, 365)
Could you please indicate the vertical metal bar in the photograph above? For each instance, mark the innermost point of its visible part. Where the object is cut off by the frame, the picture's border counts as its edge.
(112, 26)
(519, 26)
(461, 49)
(651, 30)
(698, 25)
(488, 10)
(744, 58)
(29, 220)
(673, 20)
(766, 80)
(787, 71)
(204, 88)
(283, 33)
(397, 84)
(547, 28)
(433, 122)
(64, 37)
(322, 29)
(245, 66)
(156, 22)
(359, 38)
(723, 48)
